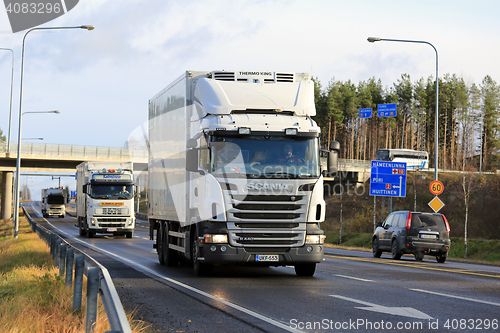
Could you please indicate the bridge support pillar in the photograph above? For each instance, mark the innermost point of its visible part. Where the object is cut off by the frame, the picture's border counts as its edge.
(6, 187)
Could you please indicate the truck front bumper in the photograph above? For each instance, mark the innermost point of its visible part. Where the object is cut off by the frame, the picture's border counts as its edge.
(226, 254)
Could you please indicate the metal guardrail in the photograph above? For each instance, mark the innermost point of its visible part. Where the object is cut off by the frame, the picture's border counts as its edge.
(98, 280)
(75, 150)
(141, 215)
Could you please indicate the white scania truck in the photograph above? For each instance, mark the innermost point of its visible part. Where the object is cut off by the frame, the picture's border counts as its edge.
(105, 198)
(234, 171)
(53, 202)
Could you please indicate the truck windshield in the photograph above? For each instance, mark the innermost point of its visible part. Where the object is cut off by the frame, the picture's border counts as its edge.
(55, 199)
(265, 156)
(115, 191)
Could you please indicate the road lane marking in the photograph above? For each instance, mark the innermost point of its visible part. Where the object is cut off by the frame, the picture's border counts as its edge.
(382, 261)
(186, 286)
(398, 311)
(354, 278)
(457, 297)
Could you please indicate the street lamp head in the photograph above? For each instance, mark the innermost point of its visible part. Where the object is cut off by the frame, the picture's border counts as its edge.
(88, 27)
(373, 39)
(55, 111)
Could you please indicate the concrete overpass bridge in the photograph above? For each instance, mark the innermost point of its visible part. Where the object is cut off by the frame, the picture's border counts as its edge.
(58, 158)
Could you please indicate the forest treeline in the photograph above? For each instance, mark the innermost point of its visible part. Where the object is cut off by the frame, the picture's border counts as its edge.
(468, 119)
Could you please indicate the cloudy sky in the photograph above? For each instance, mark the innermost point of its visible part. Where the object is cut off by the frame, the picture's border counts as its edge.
(101, 80)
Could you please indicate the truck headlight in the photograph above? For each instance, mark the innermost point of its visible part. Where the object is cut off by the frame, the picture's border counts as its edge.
(92, 221)
(215, 238)
(315, 239)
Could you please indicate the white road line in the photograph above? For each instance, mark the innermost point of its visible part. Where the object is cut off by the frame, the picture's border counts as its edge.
(457, 297)
(185, 286)
(354, 278)
(397, 311)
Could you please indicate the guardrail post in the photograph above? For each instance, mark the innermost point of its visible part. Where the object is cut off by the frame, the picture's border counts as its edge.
(78, 286)
(52, 241)
(92, 291)
(57, 250)
(62, 258)
(69, 267)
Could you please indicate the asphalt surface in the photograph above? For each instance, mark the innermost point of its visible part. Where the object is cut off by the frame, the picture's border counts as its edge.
(350, 292)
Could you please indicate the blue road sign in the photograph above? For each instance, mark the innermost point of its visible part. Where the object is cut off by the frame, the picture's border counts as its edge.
(388, 179)
(387, 110)
(365, 113)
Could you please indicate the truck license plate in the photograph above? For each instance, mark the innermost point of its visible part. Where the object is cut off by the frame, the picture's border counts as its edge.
(267, 257)
(111, 229)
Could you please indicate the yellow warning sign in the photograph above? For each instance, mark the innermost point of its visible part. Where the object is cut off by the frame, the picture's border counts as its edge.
(436, 204)
(111, 203)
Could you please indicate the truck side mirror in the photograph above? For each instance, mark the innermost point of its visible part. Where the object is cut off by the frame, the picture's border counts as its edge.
(84, 190)
(332, 162)
(192, 161)
(335, 145)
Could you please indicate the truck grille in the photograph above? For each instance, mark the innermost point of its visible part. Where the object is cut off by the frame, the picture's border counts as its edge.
(267, 207)
(266, 234)
(111, 222)
(267, 220)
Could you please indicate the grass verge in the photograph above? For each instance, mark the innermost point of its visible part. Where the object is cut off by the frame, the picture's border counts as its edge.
(33, 297)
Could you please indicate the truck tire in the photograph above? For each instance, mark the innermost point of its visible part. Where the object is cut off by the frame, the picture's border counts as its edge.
(305, 269)
(160, 244)
(81, 229)
(129, 234)
(199, 268)
(169, 255)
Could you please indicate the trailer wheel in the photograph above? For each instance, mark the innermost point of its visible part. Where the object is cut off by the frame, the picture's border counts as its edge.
(200, 268)
(305, 269)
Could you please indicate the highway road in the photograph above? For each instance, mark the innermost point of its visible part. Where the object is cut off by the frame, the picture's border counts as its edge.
(350, 292)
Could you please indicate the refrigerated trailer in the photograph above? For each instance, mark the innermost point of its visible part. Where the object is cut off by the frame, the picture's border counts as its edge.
(234, 171)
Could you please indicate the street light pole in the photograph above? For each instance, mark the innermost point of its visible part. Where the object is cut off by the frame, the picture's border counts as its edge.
(18, 160)
(436, 139)
(11, 85)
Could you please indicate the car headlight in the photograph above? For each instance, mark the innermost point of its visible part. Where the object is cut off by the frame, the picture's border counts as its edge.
(215, 238)
(315, 239)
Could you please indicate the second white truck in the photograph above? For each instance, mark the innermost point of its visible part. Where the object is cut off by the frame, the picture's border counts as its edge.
(53, 202)
(105, 194)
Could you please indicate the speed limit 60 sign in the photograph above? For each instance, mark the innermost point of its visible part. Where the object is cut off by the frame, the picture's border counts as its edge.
(436, 187)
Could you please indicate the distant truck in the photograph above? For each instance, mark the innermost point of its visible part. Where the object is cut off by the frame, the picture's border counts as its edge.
(53, 202)
(105, 194)
(234, 171)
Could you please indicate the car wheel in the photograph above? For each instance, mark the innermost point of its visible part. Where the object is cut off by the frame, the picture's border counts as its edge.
(419, 255)
(396, 255)
(441, 259)
(376, 251)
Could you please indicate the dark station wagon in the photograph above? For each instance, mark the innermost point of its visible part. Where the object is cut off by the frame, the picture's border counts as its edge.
(413, 232)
